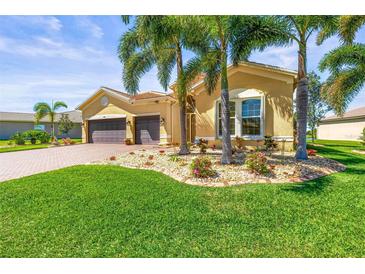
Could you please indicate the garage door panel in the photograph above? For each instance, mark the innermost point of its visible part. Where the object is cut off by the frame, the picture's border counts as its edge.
(148, 129)
(107, 131)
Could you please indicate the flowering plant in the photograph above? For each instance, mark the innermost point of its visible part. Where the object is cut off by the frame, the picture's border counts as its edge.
(257, 163)
(311, 152)
(201, 167)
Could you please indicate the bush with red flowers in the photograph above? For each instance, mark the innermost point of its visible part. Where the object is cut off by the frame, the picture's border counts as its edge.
(257, 163)
(311, 152)
(201, 167)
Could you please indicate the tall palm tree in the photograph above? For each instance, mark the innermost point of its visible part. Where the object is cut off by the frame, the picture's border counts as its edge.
(161, 40)
(345, 63)
(43, 109)
(299, 29)
(234, 38)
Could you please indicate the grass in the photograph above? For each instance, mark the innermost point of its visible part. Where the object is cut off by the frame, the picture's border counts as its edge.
(109, 211)
(27, 146)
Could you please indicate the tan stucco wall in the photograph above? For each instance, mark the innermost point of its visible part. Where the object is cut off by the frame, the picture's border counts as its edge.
(341, 130)
(276, 87)
(116, 106)
(278, 110)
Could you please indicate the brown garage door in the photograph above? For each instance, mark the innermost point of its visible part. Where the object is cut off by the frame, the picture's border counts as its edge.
(107, 131)
(148, 129)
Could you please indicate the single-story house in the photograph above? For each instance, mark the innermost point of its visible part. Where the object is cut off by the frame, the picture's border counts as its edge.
(12, 122)
(261, 100)
(347, 127)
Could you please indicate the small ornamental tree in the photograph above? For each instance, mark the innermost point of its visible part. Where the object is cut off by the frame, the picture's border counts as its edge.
(65, 124)
(317, 107)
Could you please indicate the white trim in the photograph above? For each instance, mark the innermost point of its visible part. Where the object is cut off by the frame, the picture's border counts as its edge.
(238, 99)
(209, 138)
(147, 114)
(106, 116)
(165, 136)
(281, 138)
(250, 138)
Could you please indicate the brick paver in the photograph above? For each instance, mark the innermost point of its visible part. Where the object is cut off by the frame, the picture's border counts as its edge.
(23, 163)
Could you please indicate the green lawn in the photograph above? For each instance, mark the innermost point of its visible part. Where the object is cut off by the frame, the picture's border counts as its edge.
(109, 211)
(28, 146)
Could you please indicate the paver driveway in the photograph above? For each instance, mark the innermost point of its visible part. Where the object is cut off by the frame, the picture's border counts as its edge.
(23, 163)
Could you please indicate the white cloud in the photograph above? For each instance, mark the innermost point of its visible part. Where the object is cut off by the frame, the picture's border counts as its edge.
(48, 22)
(87, 25)
(47, 47)
(285, 57)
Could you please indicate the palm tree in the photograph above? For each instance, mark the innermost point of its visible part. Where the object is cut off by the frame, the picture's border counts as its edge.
(345, 63)
(234, 37)
(161, 40)
(43, 109)
(299, 29)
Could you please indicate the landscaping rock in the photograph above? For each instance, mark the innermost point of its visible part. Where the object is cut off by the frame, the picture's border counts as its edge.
(283, 169)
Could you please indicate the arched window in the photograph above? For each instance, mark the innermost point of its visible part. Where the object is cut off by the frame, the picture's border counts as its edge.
(251, 117)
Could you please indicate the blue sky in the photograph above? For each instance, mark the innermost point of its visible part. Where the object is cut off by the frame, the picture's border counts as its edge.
(69, 57)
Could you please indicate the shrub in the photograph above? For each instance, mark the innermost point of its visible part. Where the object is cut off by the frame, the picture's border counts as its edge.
(311, 152)
(238, 144)
(257, 163)
(201, 167)
(43, 137)
(112, 158)
(161, 151)
(269, 143)
(148, 163)
(203, 145)
(31, 135)
(131, 153)
(34, 135)
(188, 145)
(18, 138)
(150, 157)
(174, 158)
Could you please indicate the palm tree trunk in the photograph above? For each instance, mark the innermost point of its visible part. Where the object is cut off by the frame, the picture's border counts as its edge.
(226, 135)
(182, 102)
(302, 103)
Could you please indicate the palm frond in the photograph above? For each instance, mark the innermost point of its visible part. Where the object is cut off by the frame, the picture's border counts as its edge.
(59, 104)
(125, 19)
(128, 44)
(340, 89)
(41, 110)
(251, 33)
(328, 28)
(342, 57)
(166, 60)
(136, 65)
(349, 25)
(212, 69)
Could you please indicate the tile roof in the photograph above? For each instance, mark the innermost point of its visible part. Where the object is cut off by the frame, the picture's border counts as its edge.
(357, 112)
(142, 95)
(74, 115)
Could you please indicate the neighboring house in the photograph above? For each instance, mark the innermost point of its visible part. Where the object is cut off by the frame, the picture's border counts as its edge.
(12, 122)
(347, 127)
(261, 104)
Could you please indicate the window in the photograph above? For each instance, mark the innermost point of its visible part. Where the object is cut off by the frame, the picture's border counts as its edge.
(251, 117)
(232, 111)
